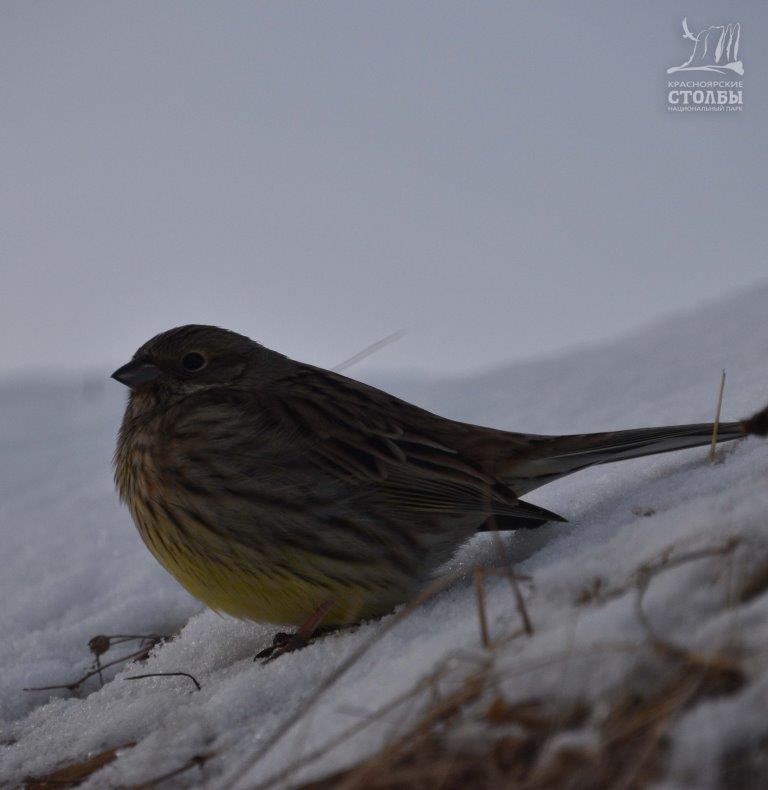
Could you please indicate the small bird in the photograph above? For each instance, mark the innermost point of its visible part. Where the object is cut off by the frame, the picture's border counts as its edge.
(277, 491)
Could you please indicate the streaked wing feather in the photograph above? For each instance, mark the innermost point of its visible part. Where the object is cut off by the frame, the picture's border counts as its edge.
(373, 437)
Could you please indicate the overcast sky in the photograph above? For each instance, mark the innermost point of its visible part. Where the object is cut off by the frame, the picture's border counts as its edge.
(501, 179)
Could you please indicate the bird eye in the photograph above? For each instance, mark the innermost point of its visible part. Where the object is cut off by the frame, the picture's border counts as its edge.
(193, 361)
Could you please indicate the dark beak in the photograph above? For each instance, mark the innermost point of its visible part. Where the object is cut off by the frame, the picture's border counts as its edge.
(136, 373)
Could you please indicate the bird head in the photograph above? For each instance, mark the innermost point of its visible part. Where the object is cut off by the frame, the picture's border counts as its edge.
(191, 358)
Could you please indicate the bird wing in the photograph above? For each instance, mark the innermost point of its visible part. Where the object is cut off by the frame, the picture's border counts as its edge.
(370, 437)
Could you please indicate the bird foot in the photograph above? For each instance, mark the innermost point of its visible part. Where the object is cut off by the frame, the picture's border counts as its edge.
(287, 643)
(282, 643)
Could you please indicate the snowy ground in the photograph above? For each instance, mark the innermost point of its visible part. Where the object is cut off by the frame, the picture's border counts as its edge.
(73, 567)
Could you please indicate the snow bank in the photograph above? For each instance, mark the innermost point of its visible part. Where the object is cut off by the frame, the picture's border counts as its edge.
(74, 567)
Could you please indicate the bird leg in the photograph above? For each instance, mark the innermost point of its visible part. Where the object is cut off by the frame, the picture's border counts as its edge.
(287, 643)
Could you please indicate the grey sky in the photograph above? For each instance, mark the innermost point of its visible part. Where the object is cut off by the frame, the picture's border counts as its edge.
(500, 178)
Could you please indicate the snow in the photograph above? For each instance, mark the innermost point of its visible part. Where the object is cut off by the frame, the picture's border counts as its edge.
(74, 567)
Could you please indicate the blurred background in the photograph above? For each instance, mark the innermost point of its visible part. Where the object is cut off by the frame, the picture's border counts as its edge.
(500, 179)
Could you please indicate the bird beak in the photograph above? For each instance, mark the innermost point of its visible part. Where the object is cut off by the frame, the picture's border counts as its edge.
(136, 373)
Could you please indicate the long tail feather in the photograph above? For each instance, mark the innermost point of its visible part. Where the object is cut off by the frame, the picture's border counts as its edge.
(550, 458)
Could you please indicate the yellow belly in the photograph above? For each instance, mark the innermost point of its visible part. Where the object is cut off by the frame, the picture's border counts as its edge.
(254, 595)
(227, 579)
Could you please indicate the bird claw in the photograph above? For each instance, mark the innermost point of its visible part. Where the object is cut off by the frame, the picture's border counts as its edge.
(281, 643)
(287, 643)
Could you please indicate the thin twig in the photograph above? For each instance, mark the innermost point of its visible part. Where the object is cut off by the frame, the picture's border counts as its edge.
(666, 563)
(116, 638)
(519, 601)
(368, 350)
(716, 423)
(662, 562)
(77, 683)
(510, 574)
(480, 597)
(664, 646)
(198, 760)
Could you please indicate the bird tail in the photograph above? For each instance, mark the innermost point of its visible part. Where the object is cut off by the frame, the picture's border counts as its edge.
(551, 457)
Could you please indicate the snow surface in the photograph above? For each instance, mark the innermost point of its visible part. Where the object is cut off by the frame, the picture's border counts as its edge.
(73, 566)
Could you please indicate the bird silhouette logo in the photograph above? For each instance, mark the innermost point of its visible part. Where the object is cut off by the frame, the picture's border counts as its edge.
(715, 48)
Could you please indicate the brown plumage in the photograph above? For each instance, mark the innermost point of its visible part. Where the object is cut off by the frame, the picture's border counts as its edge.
(270, 488)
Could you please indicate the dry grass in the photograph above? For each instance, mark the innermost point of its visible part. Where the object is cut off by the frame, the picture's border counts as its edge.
(472, 736)
(469, 735)
(519, 745)
(101, 644)
(75, 773)
(716, 423)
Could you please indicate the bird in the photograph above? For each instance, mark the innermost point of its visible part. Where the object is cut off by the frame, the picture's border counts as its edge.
(280, 492)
